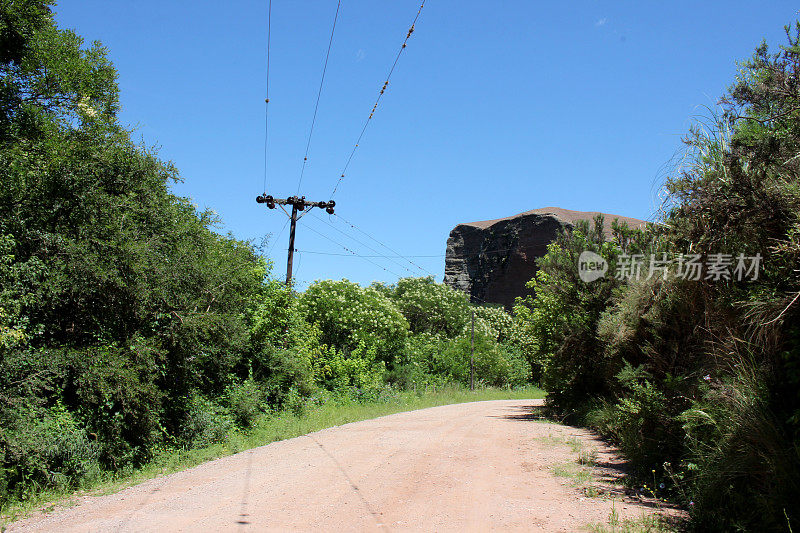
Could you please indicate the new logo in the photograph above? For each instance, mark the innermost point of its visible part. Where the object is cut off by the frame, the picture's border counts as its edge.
(591, 266)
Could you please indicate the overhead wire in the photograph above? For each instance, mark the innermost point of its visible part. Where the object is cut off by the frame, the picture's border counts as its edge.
(367, 246)
(353, 151)
(274, 242)
(382, 244)
(319, 94)
(266, 95)
(296, 272)
(348, 255)
(352, 252)
(377, 101)
(431, 256)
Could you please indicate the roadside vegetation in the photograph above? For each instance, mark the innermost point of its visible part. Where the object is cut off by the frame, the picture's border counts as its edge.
(696, 380)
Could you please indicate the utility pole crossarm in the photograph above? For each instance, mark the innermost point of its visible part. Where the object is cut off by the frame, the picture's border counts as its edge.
(298, 204)
(295, 201)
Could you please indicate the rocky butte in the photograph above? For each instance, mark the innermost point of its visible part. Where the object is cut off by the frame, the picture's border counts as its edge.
(492, 260)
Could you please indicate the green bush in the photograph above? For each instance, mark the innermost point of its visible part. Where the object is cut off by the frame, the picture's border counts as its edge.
(245, 402)
(44, 448)
(493, 365)
(288, 372)
(349, 315)
(414, 369)
(431, 307)
(206, 422)
(359, 369)
(285, 347)
(559, 322)
(491, 321)
(741, 456)
(641, 422)
(118, 400)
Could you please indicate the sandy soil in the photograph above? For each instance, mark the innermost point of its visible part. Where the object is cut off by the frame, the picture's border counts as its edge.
(467, 467)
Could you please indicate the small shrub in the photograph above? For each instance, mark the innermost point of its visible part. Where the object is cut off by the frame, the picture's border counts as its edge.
(360, 369)
(119, 401)
(206, 422)
(45, 448)
(741, 457)
(287, 369)
(493, 365)
(245, 402)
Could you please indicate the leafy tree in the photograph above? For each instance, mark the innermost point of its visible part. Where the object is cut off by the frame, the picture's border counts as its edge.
(118, 298)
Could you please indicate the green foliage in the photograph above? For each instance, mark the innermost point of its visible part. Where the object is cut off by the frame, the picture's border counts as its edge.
(206, 422)
(432, 359)
(494, 366)
(118, 299)
(493, 322)
(358, 372)
(349, 315)
(431, 307)
(741, 455)
(116, 397)
(44, 447)
(558, 325)
(641, 421)
(245, 402)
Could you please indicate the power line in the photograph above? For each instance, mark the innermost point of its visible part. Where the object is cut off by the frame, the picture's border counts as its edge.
(376, 256)
(352, 252)
(319, 94)
(380, 95)
(367, 246)
(266, 96)
(384, 245)
(422, 256)
(278, 237)
(299, 262)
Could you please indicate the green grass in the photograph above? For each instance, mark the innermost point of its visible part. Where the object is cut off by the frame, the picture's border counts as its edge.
(645, 524)
(269, 428)
(577, 473)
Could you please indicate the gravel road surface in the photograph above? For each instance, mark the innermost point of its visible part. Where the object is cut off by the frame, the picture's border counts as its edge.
(465, 467)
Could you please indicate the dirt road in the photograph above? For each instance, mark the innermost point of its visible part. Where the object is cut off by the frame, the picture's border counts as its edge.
(467, 467)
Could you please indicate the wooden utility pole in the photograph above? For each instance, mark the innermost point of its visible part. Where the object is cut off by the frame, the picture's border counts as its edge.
(299, 205)
(472, 356)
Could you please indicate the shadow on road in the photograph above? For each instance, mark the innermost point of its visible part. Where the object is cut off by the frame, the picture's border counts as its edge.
(367, 506)
(525, 412)
(243, 514)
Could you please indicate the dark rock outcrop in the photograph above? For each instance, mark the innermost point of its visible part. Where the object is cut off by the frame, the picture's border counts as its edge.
(492, 260)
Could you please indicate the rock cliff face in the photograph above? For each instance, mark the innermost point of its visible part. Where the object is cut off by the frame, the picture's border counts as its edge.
(492, 260)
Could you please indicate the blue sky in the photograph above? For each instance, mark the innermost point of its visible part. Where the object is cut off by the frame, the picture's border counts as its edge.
(495, 108)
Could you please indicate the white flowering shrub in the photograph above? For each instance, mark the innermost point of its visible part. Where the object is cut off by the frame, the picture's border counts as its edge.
(349, 315)
(492, 322)
(431, 307)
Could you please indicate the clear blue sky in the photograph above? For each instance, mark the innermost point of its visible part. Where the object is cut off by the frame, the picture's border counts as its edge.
(495, 108)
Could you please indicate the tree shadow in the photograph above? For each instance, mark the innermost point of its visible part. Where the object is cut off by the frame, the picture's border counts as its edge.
(531, 413)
